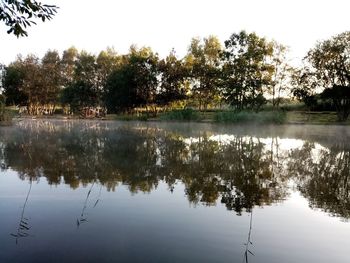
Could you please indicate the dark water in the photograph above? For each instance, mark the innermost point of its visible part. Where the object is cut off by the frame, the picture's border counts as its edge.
(147, 192)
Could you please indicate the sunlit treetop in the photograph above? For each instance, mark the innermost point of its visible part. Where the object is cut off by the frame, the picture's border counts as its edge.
(18, 15)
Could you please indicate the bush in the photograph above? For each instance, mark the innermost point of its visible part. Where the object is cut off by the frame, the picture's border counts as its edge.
(263, 117)
(181, 115)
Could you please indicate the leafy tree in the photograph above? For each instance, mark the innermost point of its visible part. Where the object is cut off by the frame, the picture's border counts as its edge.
(18, 15)
(340, 96)
(121, 90)
(79, 95)
(135, 81)
(329, 63)
(69, 58)
(52, 78)
(303, 87)
(203, 60)
(82, 87)
(246, 71)
(32, 85)
(12, 85)
(173, 76)
(106, 62)
(282, 73)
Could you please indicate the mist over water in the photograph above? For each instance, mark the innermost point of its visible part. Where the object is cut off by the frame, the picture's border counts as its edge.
(173, 192)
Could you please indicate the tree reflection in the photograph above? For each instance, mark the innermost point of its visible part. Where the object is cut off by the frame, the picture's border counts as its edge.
(241, 172)
(322, 176)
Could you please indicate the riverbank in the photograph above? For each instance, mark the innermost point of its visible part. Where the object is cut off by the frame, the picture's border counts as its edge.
(263, 117)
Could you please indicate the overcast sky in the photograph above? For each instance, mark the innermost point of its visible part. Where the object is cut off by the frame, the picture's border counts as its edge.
(166, 24)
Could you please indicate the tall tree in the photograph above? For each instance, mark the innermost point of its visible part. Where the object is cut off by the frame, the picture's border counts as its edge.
(18, 15)
(246, 71)
(329, 64)
(203, 61)
(106, 61)
(12, 84)
(135, 82)
(282, 73)
(173, 76)
(69, 58)
(52, 78)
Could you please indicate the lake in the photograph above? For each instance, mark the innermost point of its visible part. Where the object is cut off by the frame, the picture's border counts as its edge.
(100, 191)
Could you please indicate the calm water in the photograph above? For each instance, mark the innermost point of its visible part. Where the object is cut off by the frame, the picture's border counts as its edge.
(89, 191)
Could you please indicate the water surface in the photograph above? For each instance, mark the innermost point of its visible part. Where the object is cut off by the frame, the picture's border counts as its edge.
(88, 191)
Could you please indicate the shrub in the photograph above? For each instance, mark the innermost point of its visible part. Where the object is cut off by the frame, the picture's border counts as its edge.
(263, 117)
(181, 115)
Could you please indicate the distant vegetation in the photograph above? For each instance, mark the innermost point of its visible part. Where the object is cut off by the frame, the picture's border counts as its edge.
(263, 117)
(180, 115)
(240, 78)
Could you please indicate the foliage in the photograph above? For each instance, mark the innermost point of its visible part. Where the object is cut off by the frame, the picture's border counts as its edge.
(173, 76)
(12, 83)
(202, 62)
(340, 96)
(327, 66)
(134, 83)
(181, 115)
(264, 117)
(79, 95)
(282, 73)
(245, 70)
(18, 15)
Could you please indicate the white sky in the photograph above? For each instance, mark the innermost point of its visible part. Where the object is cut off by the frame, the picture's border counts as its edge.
(167, 24)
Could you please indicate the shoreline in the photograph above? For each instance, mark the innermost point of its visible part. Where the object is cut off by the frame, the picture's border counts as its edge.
(112, 118)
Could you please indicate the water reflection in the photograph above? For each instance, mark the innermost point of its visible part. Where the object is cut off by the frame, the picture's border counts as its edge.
(239, 169)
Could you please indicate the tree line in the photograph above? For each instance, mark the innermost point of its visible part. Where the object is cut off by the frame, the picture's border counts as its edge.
(243, 73)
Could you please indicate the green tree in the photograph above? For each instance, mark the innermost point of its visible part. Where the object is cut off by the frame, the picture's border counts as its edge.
(18, 15)
(173, 76)
(52, 79)
(82, 86)
(203, 61)
(80, 95)
(69, 58)
(106, 61)
(12, 85)
(304, 86)
(135, 82)
(246, 71)
(329, 64)
(282, 73)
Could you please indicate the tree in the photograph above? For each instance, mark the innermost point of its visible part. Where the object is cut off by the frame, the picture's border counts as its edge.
(246, 71)
(106, 62)
(69, 58)
(52, 79)
(172, 80)
(202, 61)
(281, 76)
(134, 83)
(329, 66)
(18, 15)
(303, 87)
(32, 85)
(12, 85)
(80, 95)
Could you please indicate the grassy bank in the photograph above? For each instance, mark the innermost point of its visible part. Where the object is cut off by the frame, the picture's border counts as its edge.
(263, 117)
(266, 116)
